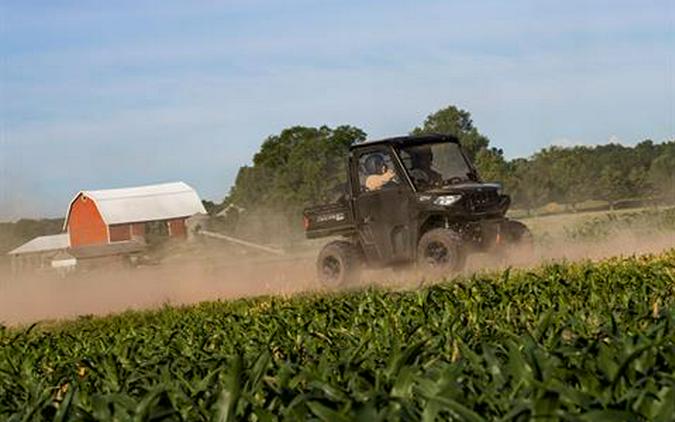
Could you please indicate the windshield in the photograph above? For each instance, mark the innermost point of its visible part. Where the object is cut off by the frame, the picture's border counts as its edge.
(435, 165)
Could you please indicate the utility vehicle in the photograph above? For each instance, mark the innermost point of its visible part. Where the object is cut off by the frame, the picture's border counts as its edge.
(410, 200)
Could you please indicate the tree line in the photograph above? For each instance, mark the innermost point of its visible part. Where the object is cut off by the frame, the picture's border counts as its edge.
(13, 234)
(302, 166)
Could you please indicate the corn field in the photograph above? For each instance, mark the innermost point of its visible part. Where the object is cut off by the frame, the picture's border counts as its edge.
(584, 341)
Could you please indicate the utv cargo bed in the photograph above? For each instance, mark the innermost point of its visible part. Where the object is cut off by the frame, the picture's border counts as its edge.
(328, 220)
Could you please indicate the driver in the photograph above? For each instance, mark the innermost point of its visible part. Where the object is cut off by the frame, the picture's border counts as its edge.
(378, 172)
(422, 171)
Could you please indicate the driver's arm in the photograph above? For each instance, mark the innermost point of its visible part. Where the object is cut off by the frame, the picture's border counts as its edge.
(375, 181)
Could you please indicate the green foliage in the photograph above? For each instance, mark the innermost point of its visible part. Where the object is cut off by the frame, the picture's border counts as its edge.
(613, 184)
(298, 167)
(457, 122)
(303, 166)
(529, 186)
(15, 234)
(492, 165)
(570, 168)
(573, 175)
(662, 171)
(587, 341)
(646, 222)
(211, 207)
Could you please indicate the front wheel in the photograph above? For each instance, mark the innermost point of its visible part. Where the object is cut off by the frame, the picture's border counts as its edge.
(338, 264)
(441, 250)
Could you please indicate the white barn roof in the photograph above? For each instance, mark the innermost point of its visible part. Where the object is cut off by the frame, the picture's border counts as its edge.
(144, 203)
(43, 244)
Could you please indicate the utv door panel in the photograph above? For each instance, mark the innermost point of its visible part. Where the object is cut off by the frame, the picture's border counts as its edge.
(384, 218)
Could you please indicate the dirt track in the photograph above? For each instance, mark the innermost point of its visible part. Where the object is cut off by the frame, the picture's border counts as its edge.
(26, 299)
(110, 290)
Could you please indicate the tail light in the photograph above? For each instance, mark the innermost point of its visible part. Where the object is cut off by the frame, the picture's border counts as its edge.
(305, 222)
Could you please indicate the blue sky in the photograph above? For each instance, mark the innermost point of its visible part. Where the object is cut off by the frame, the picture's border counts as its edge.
(113, 94)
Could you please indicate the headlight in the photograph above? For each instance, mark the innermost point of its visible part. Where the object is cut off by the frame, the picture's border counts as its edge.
(447, 200)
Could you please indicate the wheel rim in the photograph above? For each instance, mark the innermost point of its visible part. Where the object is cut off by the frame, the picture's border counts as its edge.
(330, 269)
(437, 254)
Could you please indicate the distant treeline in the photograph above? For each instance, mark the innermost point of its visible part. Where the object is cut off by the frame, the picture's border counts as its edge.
(305, 165)
(17, 233)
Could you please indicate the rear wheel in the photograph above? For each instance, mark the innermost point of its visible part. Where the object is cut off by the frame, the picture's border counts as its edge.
(338, 264)
(516, 243)
(441, 250)
(518, 235)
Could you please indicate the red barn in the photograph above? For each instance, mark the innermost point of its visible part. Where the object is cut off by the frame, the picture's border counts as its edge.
(103, 217)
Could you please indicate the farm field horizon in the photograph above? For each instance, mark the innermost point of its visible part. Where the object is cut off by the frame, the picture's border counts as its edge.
(190, 275)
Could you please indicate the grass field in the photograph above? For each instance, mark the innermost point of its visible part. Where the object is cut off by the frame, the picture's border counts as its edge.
(597, 225)
(582, 341)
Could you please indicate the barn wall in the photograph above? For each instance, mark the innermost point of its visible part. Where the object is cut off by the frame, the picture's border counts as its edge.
(85, 224)
(120, 232)
(138, 230)
(177, 228)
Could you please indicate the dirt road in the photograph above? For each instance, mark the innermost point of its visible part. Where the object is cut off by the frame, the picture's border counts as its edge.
(29, 298)
(111, 290)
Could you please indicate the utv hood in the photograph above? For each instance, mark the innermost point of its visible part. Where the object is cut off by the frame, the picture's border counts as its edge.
(472, 199)
(467, 187)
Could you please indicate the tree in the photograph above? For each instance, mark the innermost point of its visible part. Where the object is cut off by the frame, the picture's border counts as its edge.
(211, 207)
(298, 167)
(662, 172)
(530, 185)
(456, 122)
(613, 184)
(301, 166)
(569, 174)
(492, 166)
(23, 230)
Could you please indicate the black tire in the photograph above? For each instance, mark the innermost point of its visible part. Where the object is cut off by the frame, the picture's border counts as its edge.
(339, 264)
(516, 234)
(441, 250)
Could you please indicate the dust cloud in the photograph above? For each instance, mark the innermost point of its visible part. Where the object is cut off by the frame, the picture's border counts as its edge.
(36, 297)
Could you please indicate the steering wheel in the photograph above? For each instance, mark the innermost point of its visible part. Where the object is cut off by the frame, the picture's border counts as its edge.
(454, 180)
(419, 176)
(395, 181)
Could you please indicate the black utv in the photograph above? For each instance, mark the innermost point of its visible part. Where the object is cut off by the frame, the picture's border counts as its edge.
(411, 199)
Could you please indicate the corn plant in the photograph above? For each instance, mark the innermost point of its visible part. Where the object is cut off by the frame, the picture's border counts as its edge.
(566, 341)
